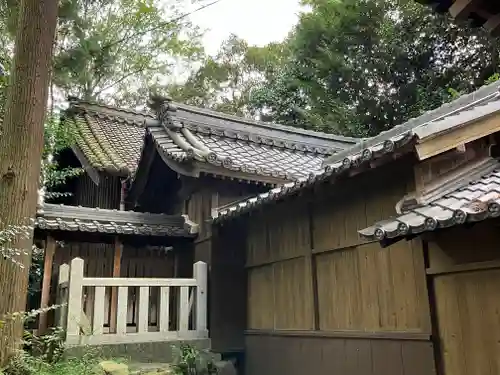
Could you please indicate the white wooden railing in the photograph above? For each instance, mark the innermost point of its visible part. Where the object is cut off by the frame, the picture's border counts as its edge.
(84, 328)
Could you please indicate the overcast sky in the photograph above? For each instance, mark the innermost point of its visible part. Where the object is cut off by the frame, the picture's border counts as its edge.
(257, 21)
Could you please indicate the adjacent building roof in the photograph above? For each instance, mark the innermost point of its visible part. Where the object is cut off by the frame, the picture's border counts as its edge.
(460, 112)
(205, 138)
(473, 199)
(111, 139)
(107, 139)
(85, 219)
(480, 13)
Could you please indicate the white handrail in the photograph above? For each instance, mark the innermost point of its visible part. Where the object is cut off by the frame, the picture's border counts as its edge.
(78, 322)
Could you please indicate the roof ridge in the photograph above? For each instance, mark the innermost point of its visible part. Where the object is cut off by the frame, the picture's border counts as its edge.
(74, 101)
(265, 125)
(220, 115)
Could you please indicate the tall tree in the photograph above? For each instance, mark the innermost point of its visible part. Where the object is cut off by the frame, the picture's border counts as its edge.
(362, 66)
(224, 82)
(113, 50)
(21, 144)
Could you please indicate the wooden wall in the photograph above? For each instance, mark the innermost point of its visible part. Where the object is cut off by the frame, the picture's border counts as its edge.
(99, 258)
(319, 299)
(208, 194)
(104, 195)
(464, 273)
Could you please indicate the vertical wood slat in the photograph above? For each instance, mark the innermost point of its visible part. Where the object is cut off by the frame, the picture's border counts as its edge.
(99, 306)
(200, 274)
(142, 324)
(116, 273)
(50, 248)
(164, 314)
(62, 295)
(184, 309)
(121, 310)
(75, 297)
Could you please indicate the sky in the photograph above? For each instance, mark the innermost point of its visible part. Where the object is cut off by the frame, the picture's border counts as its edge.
(257, 21)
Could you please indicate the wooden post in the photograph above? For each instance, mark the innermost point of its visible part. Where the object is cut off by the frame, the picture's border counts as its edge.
(62, 296)
(50, 248)
(74, 301)
(200, 274)
(114, 292)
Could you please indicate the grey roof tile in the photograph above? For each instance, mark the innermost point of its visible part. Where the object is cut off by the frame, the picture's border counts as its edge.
(470, 107)
(472, 202)
(85, 219)
(111, 139)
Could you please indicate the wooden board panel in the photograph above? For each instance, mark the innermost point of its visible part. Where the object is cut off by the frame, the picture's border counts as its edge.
(293, 307)
(453, 247)
(274, 354)
(289, 230)
(373, 289)
(356, 204)
(257, 248)
(468, 310)
(261, 297)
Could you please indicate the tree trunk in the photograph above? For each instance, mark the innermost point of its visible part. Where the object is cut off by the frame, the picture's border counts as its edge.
(21, 144)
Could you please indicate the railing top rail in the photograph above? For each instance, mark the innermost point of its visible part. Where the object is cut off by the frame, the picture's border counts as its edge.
(137, 282)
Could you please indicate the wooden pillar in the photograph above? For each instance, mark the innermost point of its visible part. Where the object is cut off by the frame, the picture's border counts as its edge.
(50, 248)
(114, 292)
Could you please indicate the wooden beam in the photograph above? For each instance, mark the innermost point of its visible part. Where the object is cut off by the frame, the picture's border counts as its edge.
(117, 260)
(456, 137)
(50, 248)
(492, 25)
(461, 9)
(467, 267)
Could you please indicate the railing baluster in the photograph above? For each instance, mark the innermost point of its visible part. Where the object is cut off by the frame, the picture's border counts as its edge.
(200, 274)
(75, 295)
(142, 323)
(184, 309)
(121, 310)
(99, 303)
(191, 312)
(164, 314)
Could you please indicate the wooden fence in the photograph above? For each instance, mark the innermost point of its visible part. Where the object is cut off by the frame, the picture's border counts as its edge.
(85, 327)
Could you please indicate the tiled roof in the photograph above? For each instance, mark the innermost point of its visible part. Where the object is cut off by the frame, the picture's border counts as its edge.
(111, 139)
(185, 133)
(105, 139)
(85, 219)
(474, 199)
(459, 112)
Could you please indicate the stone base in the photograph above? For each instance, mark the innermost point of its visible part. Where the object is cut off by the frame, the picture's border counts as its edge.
(148, 352)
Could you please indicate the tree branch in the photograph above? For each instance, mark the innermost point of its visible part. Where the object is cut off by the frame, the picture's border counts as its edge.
(161, 24)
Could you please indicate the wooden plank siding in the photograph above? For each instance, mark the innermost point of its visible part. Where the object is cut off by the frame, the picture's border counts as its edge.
(104, 195)
(271, 354)
(464, 269)
(320, 300)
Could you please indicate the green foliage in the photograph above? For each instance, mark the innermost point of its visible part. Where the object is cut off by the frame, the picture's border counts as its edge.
(45, 355)
(114, 50)
(362, 66)
(10, 234)
(191, 361)
(26, 363)
(225, 82)
(48, 347)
